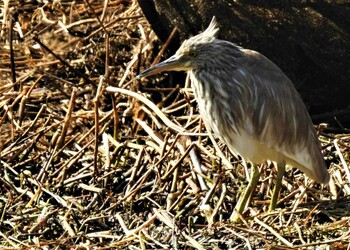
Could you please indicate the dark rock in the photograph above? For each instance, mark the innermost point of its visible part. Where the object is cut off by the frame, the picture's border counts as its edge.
(309, 40)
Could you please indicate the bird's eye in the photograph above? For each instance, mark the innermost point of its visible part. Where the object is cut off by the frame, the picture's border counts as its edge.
(192, 54)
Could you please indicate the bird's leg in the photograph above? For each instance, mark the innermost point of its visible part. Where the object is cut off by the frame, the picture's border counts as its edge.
(281, 168)
(243, 201)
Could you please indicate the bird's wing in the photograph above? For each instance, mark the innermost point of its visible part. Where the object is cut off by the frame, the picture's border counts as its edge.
(278, 116)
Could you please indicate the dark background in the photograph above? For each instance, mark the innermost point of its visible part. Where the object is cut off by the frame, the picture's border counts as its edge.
(309, 41)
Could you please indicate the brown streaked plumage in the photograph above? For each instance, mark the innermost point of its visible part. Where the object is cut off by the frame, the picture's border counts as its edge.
(250, 104)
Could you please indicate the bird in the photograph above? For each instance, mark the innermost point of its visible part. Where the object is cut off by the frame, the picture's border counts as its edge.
(251, 105)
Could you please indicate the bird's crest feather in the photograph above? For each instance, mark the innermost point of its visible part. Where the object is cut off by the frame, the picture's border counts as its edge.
(205, 37)
(213, 29)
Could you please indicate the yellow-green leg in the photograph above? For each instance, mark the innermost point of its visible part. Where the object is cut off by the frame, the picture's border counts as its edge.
(281, 169)
(243, 201)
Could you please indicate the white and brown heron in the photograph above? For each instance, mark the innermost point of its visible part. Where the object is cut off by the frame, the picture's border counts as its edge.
(251, 105)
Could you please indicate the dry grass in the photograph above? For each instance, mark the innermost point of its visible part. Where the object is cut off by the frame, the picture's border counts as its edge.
(131, 166)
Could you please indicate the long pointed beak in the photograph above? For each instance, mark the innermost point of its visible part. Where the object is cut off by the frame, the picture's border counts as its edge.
(171, 64)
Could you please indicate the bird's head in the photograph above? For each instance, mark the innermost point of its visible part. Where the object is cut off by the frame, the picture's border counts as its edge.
(191, 52)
